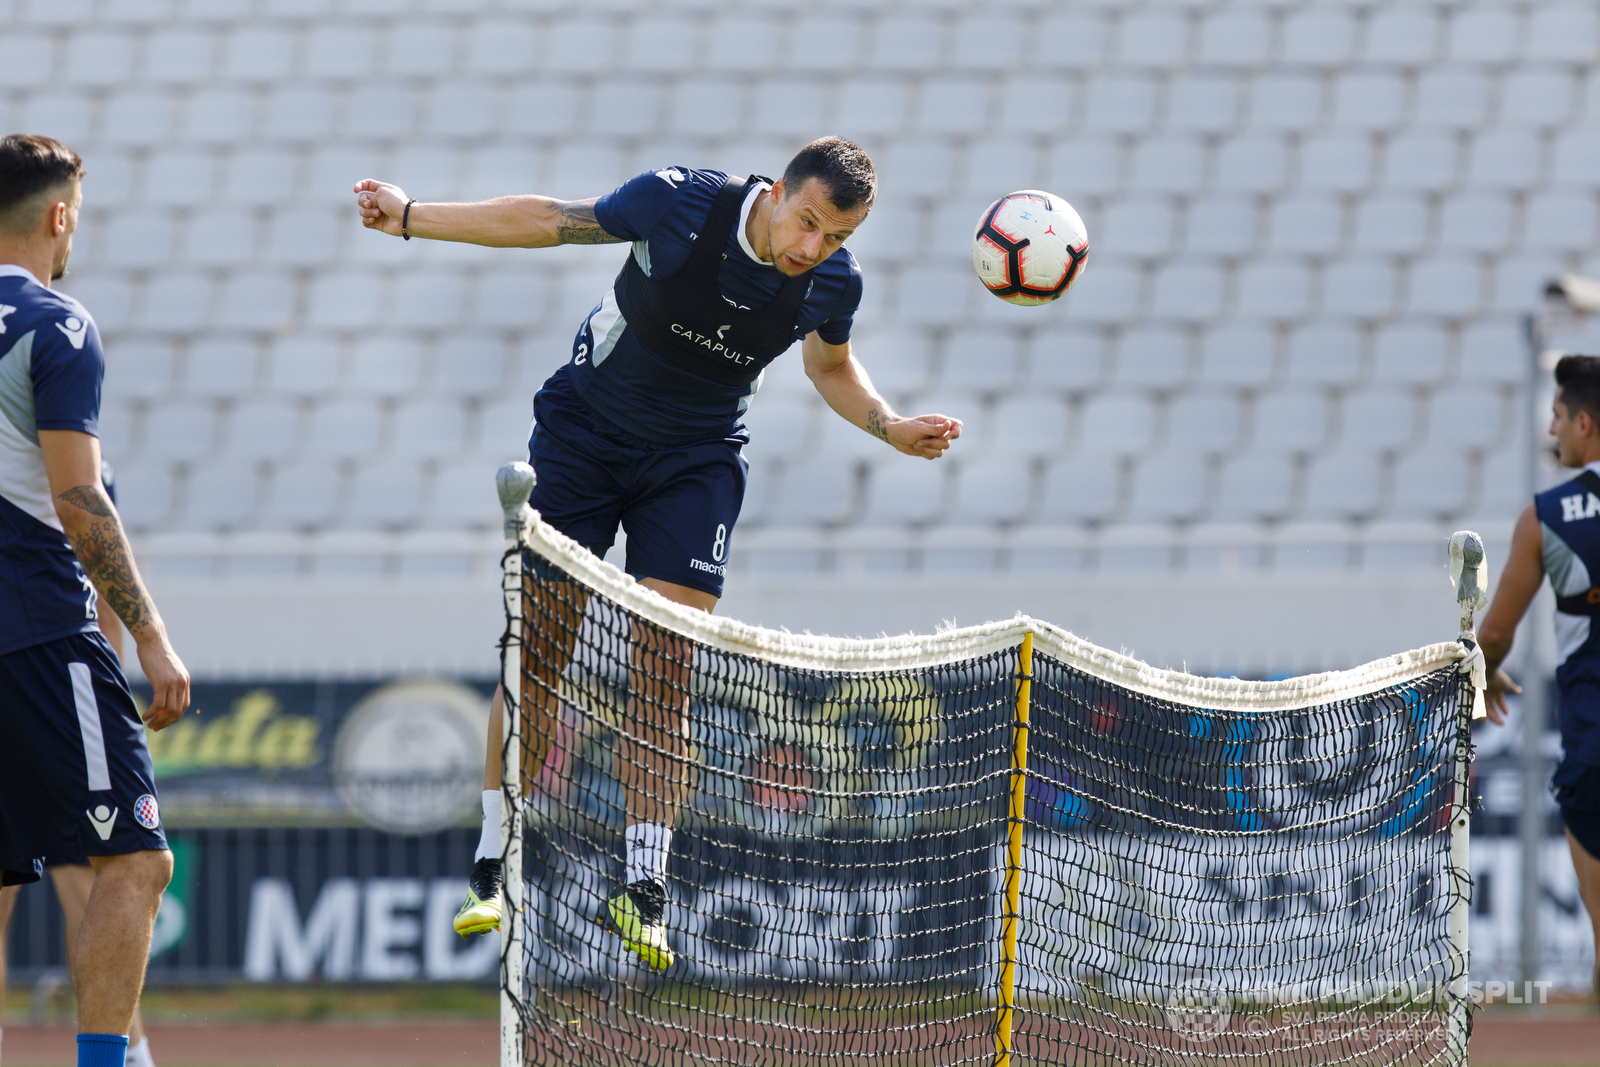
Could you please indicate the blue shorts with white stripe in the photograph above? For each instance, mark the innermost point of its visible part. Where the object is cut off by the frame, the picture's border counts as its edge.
(75, 773)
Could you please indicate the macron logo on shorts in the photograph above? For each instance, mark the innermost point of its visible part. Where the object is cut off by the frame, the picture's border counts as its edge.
(104, 819)
(709, 568)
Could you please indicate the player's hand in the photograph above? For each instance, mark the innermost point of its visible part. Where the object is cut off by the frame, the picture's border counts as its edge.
(169, 682)
(1494, 696)
(382, 206)
(924, 435)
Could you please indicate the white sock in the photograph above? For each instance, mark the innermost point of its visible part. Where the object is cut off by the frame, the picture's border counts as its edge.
(489, 842)
(649, 845)
(139, 1055)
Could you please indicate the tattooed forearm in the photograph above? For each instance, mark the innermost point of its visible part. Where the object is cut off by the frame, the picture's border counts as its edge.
(578, 225)
(101, 546)
(90, 498)
(878, 423)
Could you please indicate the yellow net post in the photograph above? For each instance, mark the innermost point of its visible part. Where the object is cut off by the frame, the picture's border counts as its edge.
(1013, 912)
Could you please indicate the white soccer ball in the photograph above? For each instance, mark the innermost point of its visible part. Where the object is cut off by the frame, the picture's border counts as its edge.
(1030, 247)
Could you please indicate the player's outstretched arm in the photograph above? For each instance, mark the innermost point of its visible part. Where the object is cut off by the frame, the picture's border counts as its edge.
(844, 384)
(1518, 584)
(506, 222)
(93, 527)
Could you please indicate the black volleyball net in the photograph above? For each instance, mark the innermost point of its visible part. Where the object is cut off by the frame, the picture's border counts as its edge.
(998, 845)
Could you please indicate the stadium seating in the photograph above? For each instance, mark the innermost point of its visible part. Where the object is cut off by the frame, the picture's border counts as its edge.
(1315, 229)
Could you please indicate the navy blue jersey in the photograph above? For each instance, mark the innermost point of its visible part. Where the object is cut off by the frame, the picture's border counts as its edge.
(51, 367)
(1569, 521)
(633, 388)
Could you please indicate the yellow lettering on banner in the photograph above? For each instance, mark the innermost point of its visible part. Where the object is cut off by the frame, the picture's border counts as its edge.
(290, 741)
(229, 743)
(252, 734)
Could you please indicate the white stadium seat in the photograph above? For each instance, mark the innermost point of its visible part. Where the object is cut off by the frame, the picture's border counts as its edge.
(343, 429)
(262, 429)
(304, 495)
(1289, 420)
(1028, 426)
(781, 427)
(180, 430)
(1171, 486)
(818, 491)
(1344, 484)
(1410, 353)
(464, 496)
(1080, 489)
(1204, 421)
(1432, 483)
(1405, 37)
(905, 489)
(995, 490)
(1258, 486)
(219, 496)
(428, 429)
(386, 495)
(1325, 354)
(503, 429)
(145, 495)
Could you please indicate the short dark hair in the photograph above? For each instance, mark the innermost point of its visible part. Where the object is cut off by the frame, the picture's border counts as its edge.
(30, 165)
(843, 167)
(1579, 380)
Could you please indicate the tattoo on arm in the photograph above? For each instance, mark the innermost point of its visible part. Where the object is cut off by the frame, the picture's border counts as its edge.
(878, 423)
(90, 498)
(103, 550)
(578, 225)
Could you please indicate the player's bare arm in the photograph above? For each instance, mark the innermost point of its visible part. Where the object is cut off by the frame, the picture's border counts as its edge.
(844, 384)
(94, 529)
(505, 222)
(1519, 582)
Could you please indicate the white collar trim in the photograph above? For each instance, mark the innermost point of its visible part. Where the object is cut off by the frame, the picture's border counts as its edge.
(744, 219)
(17, 270)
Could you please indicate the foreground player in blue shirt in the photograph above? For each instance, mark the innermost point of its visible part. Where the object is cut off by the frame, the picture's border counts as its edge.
(642, 427)
(75, 773)
(1559, 535)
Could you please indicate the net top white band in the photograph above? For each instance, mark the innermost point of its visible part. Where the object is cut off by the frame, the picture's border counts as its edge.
(816, 652)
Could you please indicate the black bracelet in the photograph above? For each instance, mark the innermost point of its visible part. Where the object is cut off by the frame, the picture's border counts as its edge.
(405, 220)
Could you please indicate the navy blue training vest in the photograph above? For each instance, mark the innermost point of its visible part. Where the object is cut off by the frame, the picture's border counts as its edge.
(1569, 517)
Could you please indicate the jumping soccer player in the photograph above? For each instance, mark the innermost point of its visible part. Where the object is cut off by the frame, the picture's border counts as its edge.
(1559, 535)
(75, 774)
(642, 429)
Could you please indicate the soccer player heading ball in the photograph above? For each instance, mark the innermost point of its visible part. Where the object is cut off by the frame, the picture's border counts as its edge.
(642, 427)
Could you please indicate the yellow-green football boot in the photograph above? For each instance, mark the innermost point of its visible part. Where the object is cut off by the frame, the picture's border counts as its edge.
(637, 913)
(480, 913)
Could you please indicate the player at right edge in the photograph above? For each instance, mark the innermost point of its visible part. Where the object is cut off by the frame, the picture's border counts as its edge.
(1559, 535)
(642, 428)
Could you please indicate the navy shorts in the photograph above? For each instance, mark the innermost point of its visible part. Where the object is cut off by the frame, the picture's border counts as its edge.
(677, 505)
(75, 773)
(1577, 789)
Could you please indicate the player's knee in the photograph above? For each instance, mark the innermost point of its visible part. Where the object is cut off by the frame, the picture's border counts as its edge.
(145, 873)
